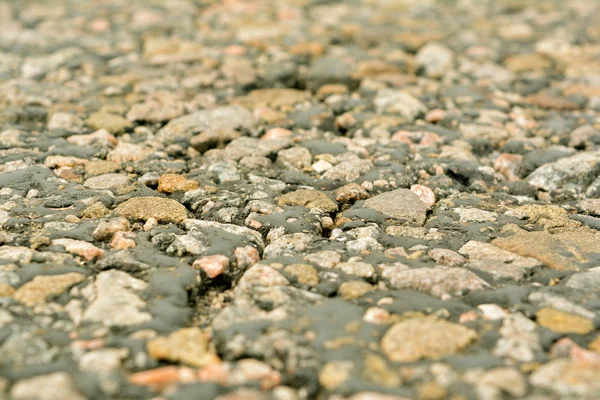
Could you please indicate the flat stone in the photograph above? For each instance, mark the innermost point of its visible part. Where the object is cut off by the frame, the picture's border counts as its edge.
(289, 245)
(57, 385)
(549, 216)
(562, 322)
(580, 169)
(425, 338)
(100, 167)
(441, 282)
(106, 181)
(446, 257)
(547, 101)
(567, 250)
(82, 248)
(222, 118)
(569, 378)
(354, 289)
(348, 171)
(527, 62)
(304, 274)
(475, 215)
(488, 252)
(275, 97)
(111, 122)
(560, 303)
(498, 269)
(170, 183)
(43, 287)
(113, 300)
(309, 199)
(588, 281)
(187, 345)
(401, 204)
(159, 208)
(398, 102)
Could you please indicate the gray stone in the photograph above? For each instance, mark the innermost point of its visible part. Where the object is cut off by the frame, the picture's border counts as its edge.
(398, 102)
(106, 181)
(578, 170)
(401, 204)
(441, 282)
(57, 385)
(223, 118)
(114, 301)
(434, 59)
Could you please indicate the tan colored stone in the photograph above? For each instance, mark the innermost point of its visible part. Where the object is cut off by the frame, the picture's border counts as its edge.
(595, 344)
(309, 199)
(101, 167)
(187, 345)
(38, 290)
(562, 322)
(63, 161)
(425, 338)
(143, 208)
(334, 373)
(377, 371)
(169, 183)
(401, 204)
(354, 289)
(111, 122)
(305, 274)
(6, 290)
(552, 102)
(350, 193)
(549, 216)
(569, 378)
(272, 97)
(431, 391)
(127, 152)
(567, 250)
(96, 210)
(527, 62)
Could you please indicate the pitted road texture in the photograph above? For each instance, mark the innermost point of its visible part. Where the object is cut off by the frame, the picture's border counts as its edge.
(300, 199)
